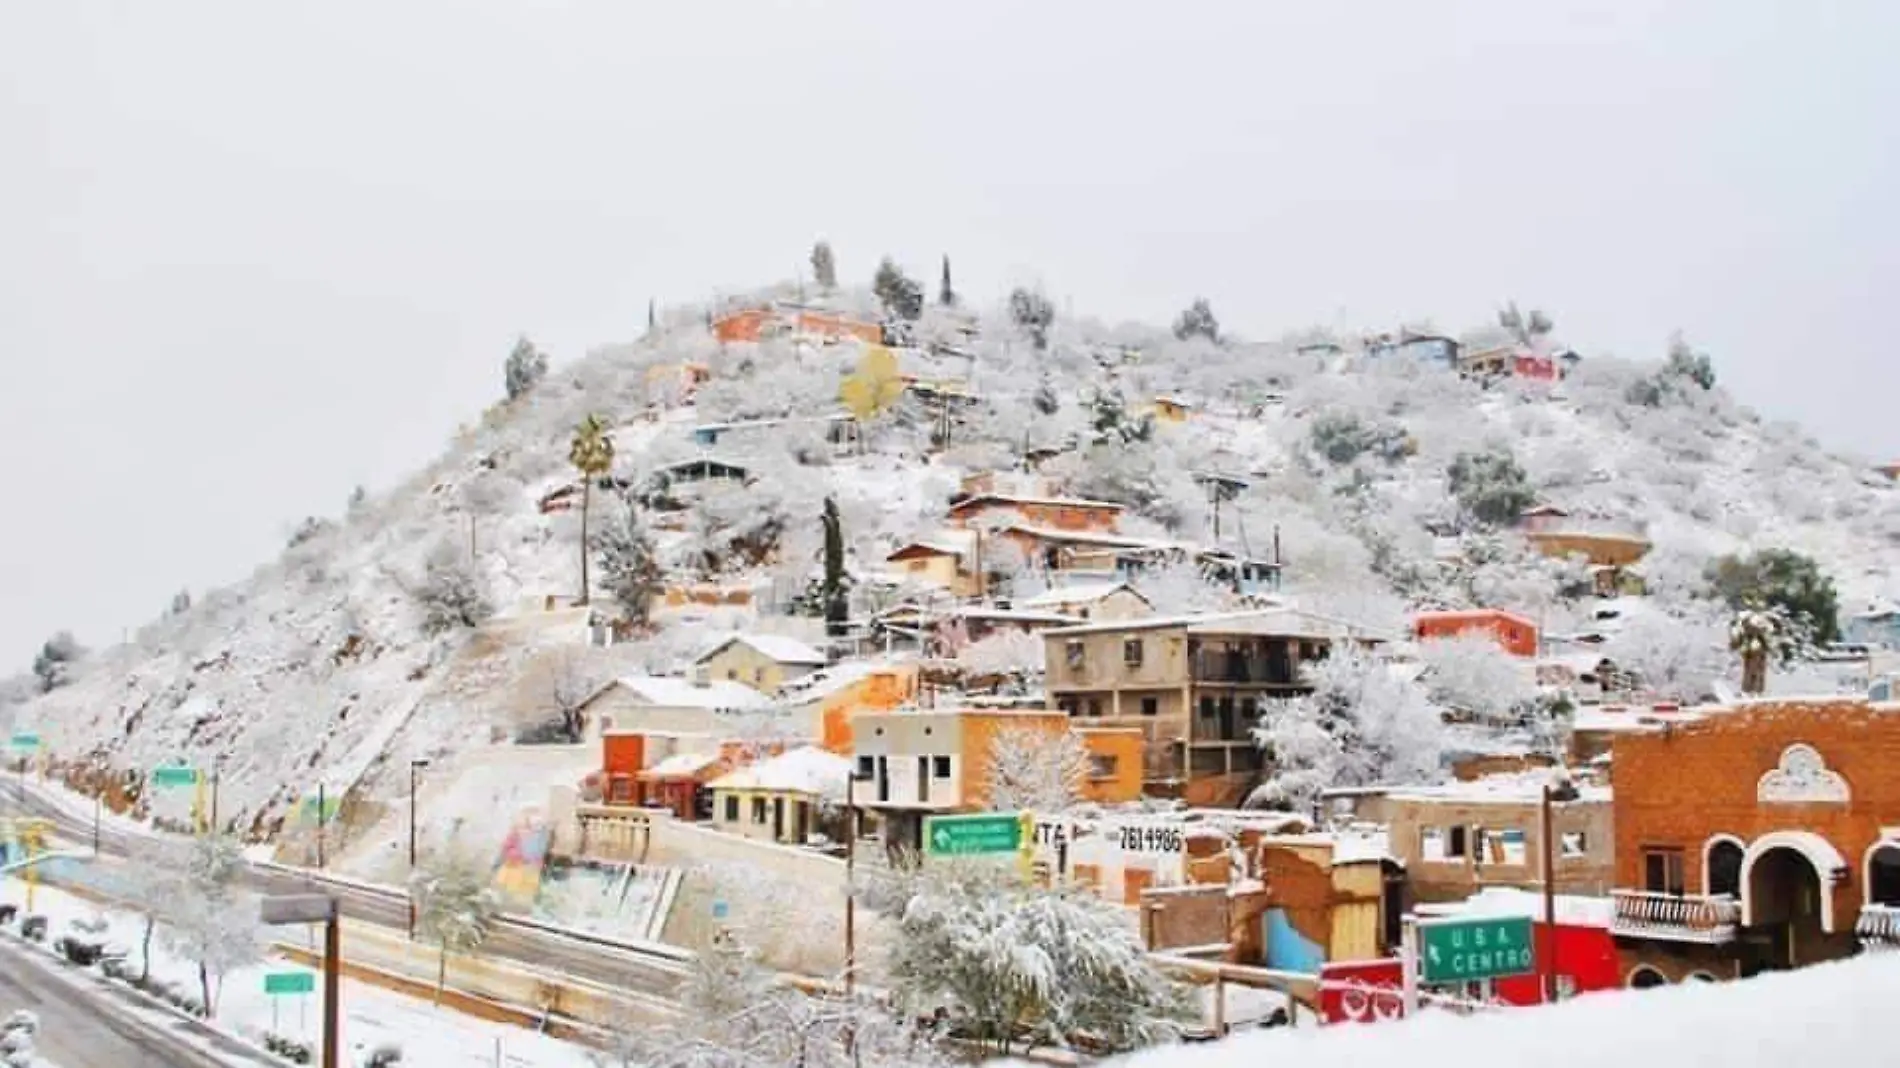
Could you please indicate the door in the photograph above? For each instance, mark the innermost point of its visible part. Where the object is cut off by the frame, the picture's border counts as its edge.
(778, 819)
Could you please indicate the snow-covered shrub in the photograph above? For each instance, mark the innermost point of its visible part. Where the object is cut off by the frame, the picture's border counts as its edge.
(1678, 656)
(451, 593)
(1472, 674)
(901, 295)
(1342, 438)
(33, 928)
(386, 1055)
(1363, 724)
(1004, 653)
(53, 664)
(1197, 321)
(1785, 580)
(16, 1040)
(525, 367)
(1490, 486)
(1013, 966)
(1032, 770)
(455, 906)
(630, 568)
(1033, 313)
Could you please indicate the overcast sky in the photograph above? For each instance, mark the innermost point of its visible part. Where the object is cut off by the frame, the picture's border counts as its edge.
(253, 254)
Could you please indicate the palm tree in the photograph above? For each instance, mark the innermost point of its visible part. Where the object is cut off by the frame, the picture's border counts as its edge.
(1755, 633)
(592, 454)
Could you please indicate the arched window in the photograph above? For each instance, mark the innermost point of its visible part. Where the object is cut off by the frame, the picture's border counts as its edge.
(1722, 867)
(1643, 977)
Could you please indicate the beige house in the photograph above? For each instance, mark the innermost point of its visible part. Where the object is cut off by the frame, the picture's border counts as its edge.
(656, 704)
(1459, 838)
(786, 799)
(765, 662)
(1193, 685)
(946, 560)
(1093, 602)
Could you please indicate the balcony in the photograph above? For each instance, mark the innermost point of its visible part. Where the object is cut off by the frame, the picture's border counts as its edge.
(1879, 926)
(1674, 918)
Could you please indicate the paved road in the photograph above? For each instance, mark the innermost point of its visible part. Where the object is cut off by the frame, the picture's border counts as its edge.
(612, 964)
(79, 1030)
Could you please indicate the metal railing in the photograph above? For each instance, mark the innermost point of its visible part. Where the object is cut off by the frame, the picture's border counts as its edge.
(1675, 917)
(1879, 924)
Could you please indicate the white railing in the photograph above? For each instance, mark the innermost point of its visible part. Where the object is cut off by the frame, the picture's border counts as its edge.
(1880, 924)
(1692, 918)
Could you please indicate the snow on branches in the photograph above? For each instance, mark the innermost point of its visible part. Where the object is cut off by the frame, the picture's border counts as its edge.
(455, 906)
(1036, 769)
(1363, 724)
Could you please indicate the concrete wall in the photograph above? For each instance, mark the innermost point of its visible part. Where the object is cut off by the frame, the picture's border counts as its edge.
(1442, 877)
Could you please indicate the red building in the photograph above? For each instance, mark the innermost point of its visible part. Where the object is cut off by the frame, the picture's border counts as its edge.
(1516, 634)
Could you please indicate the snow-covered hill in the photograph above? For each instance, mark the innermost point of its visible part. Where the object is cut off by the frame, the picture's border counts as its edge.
(322, 664)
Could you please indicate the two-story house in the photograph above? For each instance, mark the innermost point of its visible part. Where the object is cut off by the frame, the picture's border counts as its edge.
(1756, 837)
(1193, 685)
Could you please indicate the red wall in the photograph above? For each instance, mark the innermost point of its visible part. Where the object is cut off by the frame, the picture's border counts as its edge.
(1586, 954)
(1518, 636)
(623, 754)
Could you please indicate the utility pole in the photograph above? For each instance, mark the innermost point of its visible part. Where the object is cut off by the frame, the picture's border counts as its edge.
(413, 766)
(1547, 949)
(98, 803)
(851, 885)
(217, 768)
(320, 814)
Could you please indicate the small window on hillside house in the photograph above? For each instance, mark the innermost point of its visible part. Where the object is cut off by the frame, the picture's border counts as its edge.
(1431, 843)
(1455, 844)
(1074, 653)
(1131, 652)
(1151, 706)
(867, 768)
(1662, 871)
(1095, 706)
(940, 767)
(1571, 844)
(1102, 765)
(758, 810)
(732, 810)
(1511, 848)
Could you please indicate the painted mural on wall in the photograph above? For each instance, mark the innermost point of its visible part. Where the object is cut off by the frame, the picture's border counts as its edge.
(524, 853)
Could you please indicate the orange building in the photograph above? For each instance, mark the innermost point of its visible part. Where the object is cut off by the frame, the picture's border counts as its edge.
(1756, 837)
(1058, 513)
(1516, 634)
(756, 324)
(824, 702)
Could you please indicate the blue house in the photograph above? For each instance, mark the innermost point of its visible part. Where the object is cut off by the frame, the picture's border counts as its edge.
(1879, 625)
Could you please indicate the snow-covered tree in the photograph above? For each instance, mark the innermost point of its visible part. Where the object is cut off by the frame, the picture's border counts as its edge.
(1686, 363)
(834, 591)
(181, 603)
(592, 455)
(1490, 486)
(452, 593)
(1179, 588)
(573, 677)
(17, 1040)
(526, 366)
(629, 563)
(901, 295)
(1785, 581)
(53, 665)
(1677, 657)
(1004, 653)
(1755, 634)
(1471, 673)
(1363, 724)
(207, 918)
(455, 906)
(1528, 330)
(1033, 770)
(946, 294)
(1197, 321)
(1033, 313)
(824, 268)
(1011, 966)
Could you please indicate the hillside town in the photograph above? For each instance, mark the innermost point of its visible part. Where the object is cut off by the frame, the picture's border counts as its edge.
(808, 647)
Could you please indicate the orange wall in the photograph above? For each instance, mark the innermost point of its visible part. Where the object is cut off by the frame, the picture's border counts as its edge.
(979, 734)
(1102, 520)
(740, 326)
(1517, 636)
(878, 692)
(1126, 747)
(623, 754)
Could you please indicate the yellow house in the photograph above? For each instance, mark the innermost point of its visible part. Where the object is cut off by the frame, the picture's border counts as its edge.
(1172, 409)
(765, 662)
(822, 703)
(945, 560)
(784, 799)
(1330, 898)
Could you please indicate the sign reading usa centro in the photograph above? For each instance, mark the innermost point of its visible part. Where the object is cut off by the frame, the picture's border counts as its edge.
(1456, 951)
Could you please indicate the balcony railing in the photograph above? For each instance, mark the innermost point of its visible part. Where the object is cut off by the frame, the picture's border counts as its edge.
(1879, 925)
(1693, 918)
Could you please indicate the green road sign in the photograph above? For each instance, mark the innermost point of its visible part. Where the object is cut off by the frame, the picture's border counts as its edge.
(989, 832)
(1457, 951)
(279, 983)
(175, 775)
(24, 742)
(328, 813)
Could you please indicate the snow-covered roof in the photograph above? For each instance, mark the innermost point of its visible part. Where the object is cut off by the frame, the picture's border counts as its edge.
(681, 765)
(1076, 593)
(1095, 538)
(1574, 910)
(1010, 498)
(1279, 622)
(1879, 610)
(947, 542)
(668, 692)
(824, 682)
(1349, 847)
(777, 647)
(1752, 1024)
(1514, 788)
(805, 770)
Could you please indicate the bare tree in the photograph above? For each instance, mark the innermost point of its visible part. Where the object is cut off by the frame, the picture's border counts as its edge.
(455, 907)
(572, 679)
(1036, 769)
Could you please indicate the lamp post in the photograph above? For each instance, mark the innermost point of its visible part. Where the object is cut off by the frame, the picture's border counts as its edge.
(414, 766)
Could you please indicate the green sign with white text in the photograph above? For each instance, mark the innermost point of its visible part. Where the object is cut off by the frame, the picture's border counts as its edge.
(176, 775)
(1461, 951)
(24, 742)
(989, 832)
(280, 983)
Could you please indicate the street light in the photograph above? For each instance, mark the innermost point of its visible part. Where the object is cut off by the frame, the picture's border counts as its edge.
(414, 766)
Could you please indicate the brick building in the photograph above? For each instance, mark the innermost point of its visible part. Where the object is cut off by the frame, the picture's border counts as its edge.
(1756, 837)
(1514, 633)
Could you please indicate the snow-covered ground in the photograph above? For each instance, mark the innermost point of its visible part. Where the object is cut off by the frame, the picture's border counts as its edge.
(1834, 1014)
(428, 1036)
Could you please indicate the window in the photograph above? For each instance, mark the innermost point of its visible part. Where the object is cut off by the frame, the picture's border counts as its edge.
(1207, 707)
(732, 674)
(1662, 871)
(1102, 765)
(732, 810)
(758, 676)
(1131, 652)
(1065, 705)
(1431, 843)
(1725, 868)
(940, 767)
(758, 810)
(1073, 651)
(1095, 706)
(1511, 847)
(1455, 844)
(916, 565)
(867, 768)
(1572, 844)
(1150, 706)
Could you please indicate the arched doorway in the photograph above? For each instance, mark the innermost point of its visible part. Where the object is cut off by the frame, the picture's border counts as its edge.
(1643, 977)
(1722, 866)
(1783, 898)
(1882, 873)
